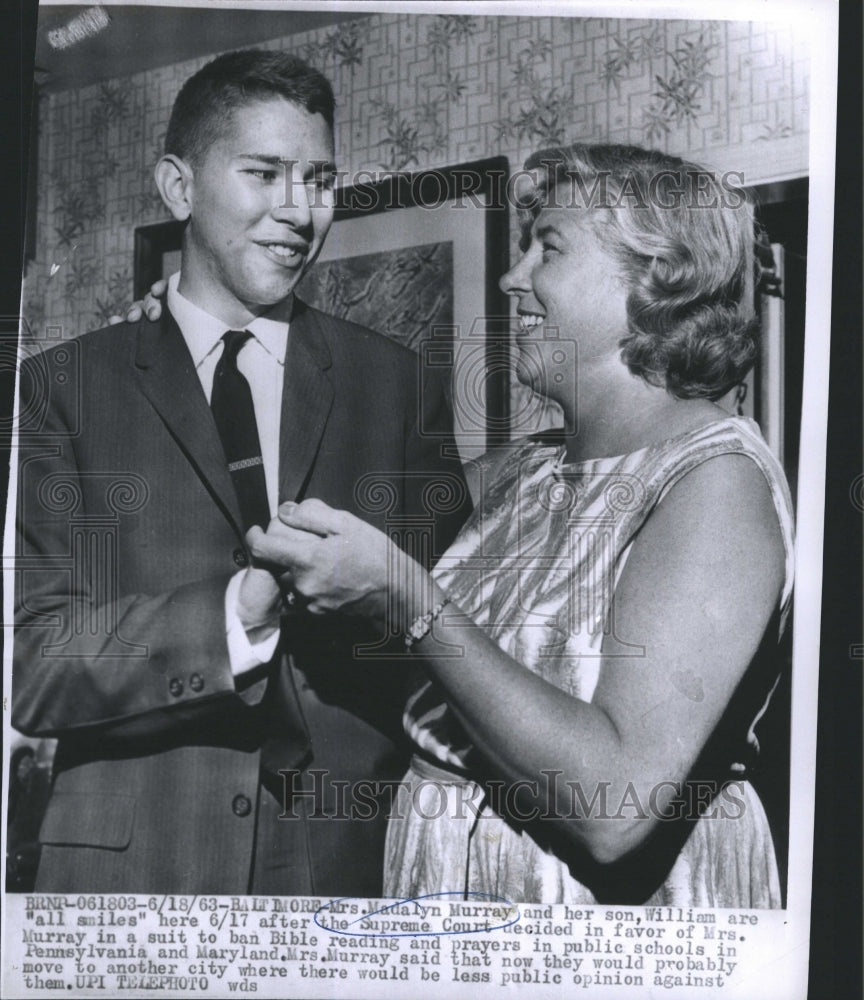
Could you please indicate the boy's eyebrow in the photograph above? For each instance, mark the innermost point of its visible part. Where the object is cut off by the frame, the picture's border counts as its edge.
(315, 166)
(261, 158)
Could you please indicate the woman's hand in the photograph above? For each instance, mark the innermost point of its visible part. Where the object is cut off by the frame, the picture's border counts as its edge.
(151, 305)
(338, 563)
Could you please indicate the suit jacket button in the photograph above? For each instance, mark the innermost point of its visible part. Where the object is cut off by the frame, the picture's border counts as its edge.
(175, 687)
(240, 558)
(241, 805)
(196, 683)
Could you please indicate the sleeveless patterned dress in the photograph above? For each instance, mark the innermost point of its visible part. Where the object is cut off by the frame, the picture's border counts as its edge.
(536, 567)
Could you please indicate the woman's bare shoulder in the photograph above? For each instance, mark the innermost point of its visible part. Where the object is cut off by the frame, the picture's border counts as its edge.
(718, 530)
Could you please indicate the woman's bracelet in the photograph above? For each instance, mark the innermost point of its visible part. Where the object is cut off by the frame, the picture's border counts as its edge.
(422, 625)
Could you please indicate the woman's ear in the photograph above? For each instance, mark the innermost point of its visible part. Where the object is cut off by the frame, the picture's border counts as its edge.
(174, 180)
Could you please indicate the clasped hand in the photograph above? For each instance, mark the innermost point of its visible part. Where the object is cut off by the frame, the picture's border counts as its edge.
(331, 560)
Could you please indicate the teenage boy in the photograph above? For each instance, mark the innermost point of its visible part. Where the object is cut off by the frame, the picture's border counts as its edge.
(194, 706)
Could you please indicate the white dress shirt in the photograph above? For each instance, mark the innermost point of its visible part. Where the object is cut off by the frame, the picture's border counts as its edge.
(262, 361)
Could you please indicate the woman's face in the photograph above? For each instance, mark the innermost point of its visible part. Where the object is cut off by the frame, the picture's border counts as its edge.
(571, 301)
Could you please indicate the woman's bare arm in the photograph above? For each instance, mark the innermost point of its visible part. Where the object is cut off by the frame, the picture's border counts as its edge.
(697, 592)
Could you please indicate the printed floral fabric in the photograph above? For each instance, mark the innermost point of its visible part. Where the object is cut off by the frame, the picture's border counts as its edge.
(536, 567)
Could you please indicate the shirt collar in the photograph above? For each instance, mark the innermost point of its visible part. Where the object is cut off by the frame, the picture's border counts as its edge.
(202, 331)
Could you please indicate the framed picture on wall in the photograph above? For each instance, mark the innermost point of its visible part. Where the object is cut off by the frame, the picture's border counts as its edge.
(417, 257)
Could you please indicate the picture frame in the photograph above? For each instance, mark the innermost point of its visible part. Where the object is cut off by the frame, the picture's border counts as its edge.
(157, 250)
(771, 392)
(418, 257)
(782, 211)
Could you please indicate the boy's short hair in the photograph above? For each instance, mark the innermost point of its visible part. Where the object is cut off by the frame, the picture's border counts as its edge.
(234, 80)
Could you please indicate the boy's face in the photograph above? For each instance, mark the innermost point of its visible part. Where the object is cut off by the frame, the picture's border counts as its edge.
(261, 203)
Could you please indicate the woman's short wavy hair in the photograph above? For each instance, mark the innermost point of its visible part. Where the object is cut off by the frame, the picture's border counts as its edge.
(684, 240)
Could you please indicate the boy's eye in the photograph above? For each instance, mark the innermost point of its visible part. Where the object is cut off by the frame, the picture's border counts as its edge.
(262, 173)
(323, 182)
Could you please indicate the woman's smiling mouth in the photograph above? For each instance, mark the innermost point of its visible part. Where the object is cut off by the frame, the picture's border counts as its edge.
(527, 321)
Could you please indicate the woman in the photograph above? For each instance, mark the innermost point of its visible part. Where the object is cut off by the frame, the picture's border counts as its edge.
(595, 639)
(598, 640)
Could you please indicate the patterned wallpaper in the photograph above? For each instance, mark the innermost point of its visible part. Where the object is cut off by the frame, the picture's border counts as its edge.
(417, 91)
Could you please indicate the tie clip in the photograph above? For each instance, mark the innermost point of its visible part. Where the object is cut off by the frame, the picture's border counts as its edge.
(245, 463)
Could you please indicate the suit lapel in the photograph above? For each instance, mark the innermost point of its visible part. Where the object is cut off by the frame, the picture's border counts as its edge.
(170, 382)
(307, 397)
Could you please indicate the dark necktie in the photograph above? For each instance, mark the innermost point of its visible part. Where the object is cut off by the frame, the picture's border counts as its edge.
(234, 413)
(285, 739)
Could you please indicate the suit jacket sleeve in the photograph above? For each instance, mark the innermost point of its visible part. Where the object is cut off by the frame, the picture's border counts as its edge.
(84, 657)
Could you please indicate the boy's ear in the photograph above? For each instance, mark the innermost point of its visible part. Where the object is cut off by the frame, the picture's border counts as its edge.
(174, 180)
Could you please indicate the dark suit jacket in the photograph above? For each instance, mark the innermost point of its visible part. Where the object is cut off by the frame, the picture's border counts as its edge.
(129, 531)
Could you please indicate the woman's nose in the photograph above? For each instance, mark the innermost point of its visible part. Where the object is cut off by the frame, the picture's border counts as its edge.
(517, 279)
